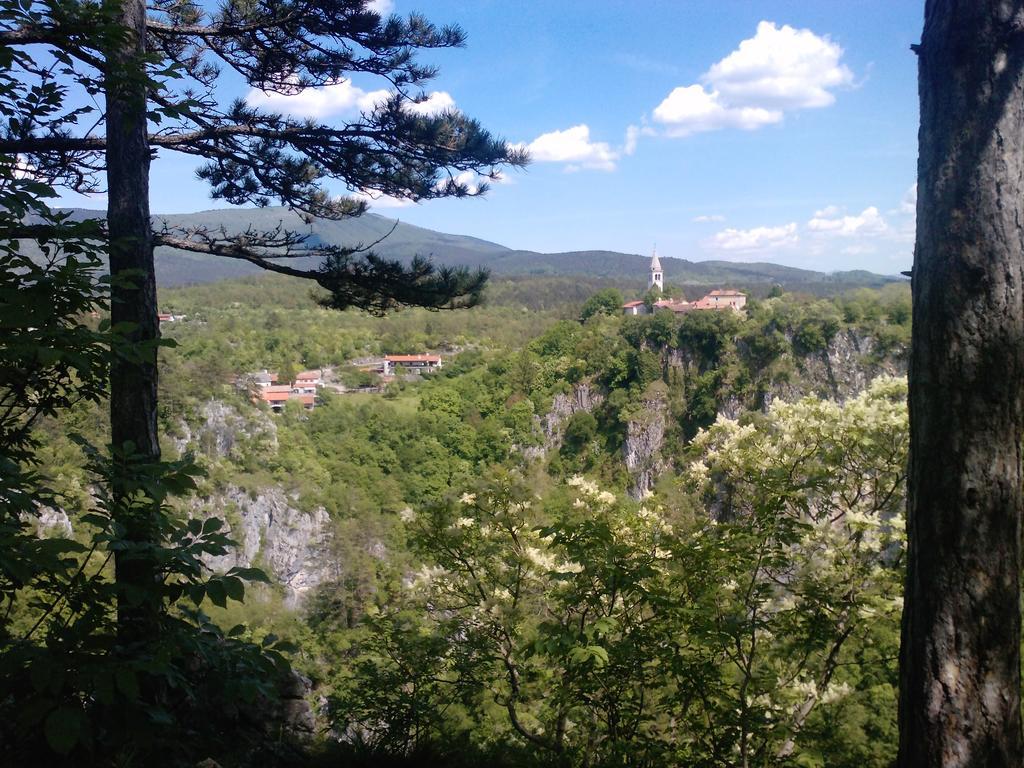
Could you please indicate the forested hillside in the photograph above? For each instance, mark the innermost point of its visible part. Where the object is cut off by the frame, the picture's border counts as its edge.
(395, 239)
(669, 537)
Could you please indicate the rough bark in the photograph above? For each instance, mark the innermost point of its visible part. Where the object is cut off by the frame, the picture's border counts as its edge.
(960, 656)
(133, 375)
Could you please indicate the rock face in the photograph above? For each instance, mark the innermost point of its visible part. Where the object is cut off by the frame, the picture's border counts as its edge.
(841, 371)
(293, 545)
(641, 450)
(582, 398)
(52, 523)
(222, 432)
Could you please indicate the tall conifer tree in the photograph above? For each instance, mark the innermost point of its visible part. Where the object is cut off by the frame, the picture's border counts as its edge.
(154, 69)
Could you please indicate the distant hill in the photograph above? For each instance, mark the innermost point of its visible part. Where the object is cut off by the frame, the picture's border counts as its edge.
(176, 267)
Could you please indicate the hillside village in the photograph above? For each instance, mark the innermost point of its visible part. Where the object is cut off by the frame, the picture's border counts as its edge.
(717, 299)
(264, 386)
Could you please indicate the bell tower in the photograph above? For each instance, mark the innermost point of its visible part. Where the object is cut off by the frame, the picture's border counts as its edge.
(657, 278)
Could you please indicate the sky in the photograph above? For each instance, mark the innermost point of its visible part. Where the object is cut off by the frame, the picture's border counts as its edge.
(711, 129)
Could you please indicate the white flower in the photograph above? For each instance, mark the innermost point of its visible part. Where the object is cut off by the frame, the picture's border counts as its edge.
(544, 560)
(806, 687)
(606, 498)
(464, 522)
(467, 498)
(407, 515)
(578, 481)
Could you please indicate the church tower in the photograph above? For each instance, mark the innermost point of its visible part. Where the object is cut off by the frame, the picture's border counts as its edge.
(656, 278)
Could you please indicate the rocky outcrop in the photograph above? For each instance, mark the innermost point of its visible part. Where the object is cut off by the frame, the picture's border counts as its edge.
(291, 544)
(51, 523)
(222, 432)
(583, 397)
(645, 434)
(841, 371)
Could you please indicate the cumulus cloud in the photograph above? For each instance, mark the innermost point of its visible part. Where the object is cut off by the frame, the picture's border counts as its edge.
(436, 103)
(381, 7)
(573, 147)
(338, 98)
(868, 222)
(692, 109)
(632, 134)
(780, 69)
(706, 219)
(756, 239)
(377, 199)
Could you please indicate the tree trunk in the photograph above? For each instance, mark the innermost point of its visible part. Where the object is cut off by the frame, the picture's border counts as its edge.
(133, 376)
(960, 654)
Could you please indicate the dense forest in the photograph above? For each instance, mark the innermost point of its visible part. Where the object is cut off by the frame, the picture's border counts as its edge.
(588, 539)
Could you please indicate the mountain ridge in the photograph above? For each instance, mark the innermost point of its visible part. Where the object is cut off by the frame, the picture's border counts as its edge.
(175, 267)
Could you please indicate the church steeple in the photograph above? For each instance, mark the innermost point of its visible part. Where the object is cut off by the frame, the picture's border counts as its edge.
(657, 277)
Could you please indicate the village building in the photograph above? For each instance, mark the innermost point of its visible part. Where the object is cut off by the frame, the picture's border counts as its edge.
(394, 365)
(715, 300)
(307, 382)
(264, 387)
(263, 378)
(657, 277)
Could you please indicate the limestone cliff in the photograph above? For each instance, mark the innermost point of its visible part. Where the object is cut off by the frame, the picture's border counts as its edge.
(582, 397)
(271, 529)
(291, 544)
(645, 435)
(222, 431)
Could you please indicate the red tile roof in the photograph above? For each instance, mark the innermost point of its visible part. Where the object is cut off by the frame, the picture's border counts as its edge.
(276, 397)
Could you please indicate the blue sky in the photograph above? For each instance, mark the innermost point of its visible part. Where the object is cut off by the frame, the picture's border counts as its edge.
(750, 131)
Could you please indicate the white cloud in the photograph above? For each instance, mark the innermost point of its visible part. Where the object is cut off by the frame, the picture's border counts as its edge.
(574, 147)
(714, 217)
(778, 70)
(691, 109)
(632, 134)
(436, 103)
(338, 98)
(377, 199)
(867, 223)
(781, 68)
(757, 239)
(381, 7)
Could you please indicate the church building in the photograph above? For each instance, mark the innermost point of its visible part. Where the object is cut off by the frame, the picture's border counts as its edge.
(717, 299)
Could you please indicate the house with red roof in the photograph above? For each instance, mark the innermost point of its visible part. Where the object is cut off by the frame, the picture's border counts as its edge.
(307, 382)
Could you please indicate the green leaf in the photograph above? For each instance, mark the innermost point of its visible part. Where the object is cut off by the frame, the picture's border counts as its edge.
(235, 588)
(217, 593)
(212, 525)
(250, 574)
(63, 727)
